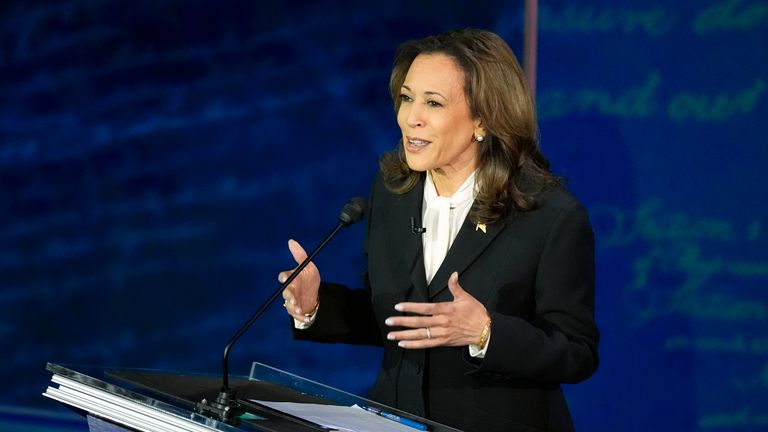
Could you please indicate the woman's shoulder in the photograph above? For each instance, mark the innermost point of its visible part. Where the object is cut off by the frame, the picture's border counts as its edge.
(556, 212)
(553, 203)
(556, 198)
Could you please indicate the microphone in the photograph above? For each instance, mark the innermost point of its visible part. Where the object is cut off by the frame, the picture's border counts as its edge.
(226, 407)
(415, 229)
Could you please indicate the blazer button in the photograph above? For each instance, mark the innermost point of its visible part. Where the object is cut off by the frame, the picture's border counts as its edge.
(417, 367)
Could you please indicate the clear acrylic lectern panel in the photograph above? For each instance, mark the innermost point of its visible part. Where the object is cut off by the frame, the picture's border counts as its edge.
(152, 400)
(262, 372)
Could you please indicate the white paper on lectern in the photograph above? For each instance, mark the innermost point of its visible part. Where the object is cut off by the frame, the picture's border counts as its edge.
(341, 418)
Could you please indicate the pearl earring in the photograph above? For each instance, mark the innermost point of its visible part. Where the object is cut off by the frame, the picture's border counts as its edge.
(479, 138)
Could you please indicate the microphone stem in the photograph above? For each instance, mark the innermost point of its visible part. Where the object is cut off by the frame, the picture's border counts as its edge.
(263, 308)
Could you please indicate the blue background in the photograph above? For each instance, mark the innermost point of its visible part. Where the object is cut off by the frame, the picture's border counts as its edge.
(155, 156)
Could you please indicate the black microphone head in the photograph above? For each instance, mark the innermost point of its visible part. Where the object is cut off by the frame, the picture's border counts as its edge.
(353, 211)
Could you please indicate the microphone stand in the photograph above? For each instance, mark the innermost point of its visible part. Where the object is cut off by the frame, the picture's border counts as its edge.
(226, 406)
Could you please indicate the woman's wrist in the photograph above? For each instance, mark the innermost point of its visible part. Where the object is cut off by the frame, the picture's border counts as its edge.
(485, 334)
(314, 310)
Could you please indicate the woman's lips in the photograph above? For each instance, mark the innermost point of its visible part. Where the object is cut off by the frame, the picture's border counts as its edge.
(415, 144)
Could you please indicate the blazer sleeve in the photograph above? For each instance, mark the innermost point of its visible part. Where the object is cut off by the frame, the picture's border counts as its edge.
(345, 316)
(560, 343)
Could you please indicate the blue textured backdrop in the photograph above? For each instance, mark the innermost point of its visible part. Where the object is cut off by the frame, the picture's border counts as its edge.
(155, 156)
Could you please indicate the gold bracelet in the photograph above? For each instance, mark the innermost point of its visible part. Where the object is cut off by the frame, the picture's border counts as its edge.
(484, 336)
(314, 311)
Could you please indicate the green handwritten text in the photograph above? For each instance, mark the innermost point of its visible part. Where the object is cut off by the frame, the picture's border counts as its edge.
(637, 101)
(641, 101)
(742, 417)
(731, 15)
(717, 107)
(588, 19)
(653, 222)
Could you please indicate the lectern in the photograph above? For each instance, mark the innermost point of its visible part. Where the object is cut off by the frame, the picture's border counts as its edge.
(158, 401)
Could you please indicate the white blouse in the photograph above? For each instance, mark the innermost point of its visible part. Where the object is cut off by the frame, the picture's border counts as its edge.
(442, 217)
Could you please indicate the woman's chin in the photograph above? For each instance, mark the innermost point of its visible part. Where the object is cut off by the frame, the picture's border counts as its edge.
(415, 163)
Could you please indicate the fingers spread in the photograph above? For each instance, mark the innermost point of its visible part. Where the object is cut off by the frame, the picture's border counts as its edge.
(416, 338)
(428, 325)
(414, 334)
(454, 287)
(409, 321)
(419, 308)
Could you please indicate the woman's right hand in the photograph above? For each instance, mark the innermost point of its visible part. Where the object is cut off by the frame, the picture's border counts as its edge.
(302, 294)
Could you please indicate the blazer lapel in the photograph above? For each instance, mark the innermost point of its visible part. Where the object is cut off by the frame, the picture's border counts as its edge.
(470, 242)
(404, 246)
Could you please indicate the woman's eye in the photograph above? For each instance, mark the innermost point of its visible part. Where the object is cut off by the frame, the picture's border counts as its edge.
(405, 98)
(434, 104)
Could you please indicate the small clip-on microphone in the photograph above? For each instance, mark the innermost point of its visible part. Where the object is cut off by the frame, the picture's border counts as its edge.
(415, 229)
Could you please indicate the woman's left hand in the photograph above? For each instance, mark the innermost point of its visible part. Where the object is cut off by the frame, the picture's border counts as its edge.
(456, 323)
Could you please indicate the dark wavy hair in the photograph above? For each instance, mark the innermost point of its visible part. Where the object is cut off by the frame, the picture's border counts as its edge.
(511, 169)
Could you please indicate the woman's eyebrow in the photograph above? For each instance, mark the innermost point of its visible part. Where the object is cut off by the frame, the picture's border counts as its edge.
(428, 93)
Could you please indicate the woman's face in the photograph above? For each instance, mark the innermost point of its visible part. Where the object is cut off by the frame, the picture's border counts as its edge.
(434, 117)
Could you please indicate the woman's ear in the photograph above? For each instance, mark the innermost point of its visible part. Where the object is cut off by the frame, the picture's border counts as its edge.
(479, 127)
(479, 132)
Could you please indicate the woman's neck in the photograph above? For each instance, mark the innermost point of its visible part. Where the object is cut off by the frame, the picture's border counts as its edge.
(447, 182)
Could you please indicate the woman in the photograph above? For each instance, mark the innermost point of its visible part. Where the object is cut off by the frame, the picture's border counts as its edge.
(485, 312)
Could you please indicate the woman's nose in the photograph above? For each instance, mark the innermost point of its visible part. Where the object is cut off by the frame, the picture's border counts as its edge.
(415, 116)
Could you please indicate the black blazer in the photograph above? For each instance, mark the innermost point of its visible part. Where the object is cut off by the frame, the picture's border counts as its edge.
(533, 271)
